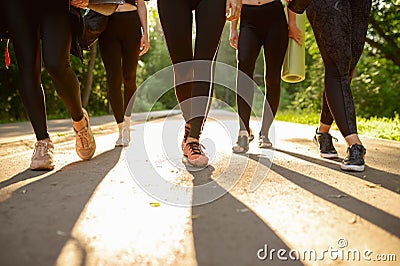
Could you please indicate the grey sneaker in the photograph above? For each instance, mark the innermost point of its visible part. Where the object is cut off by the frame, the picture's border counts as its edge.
(85, 144)
(243, 142)
(354, 160)
(264, 142)
(325, 144)
(42, 157)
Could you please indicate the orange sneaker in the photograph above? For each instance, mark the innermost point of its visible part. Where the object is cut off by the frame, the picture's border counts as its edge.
(193, 154)
(85, 143)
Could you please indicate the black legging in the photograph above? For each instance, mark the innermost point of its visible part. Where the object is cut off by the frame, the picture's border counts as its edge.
(340, 28)
(176, 20)
(28, 22)
(120, 48)
(265, 26)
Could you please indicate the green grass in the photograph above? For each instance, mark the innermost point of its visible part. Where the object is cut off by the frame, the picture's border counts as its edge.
(385, 128)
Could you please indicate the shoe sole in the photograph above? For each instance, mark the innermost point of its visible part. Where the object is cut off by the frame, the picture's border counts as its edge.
(39, 167)
(328, 155)
(264, 146)
(354, 168)
(185, 161)
(240, 151)
(121, 145)
(87, 157)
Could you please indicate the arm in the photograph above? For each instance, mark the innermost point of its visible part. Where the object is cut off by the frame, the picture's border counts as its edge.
(233, 9)
(234, 36)
(294, 31)
(144, 42)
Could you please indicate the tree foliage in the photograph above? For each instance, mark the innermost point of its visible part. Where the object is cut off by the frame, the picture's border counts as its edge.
(376, 86)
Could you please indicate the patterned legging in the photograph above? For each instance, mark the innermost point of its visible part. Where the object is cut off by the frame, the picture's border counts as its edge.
(340, 29)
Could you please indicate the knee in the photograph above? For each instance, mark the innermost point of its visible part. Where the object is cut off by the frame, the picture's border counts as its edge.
(246, 66)
(57, 70)
(273, 81)
(130, 78)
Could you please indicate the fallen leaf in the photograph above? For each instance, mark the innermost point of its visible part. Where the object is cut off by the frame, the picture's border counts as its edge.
(373, 185)
(337, 196)
(61, 233)
(354, 219)
(155, 204)
(195, 216)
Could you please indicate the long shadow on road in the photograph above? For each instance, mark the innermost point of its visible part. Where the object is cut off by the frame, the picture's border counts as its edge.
(227, 232)
(38, 218)
(387, 180)
(376, 216)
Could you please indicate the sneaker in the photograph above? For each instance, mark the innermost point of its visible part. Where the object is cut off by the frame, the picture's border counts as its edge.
(85, 144)
(42, 157)
(118, 143)
(243, 142)
(354, 160)
(126, 131)
(186, 135)
(326, 148)
(264, 142)
(193, 155)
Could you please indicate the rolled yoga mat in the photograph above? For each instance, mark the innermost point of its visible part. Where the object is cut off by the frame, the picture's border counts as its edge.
(293, 68)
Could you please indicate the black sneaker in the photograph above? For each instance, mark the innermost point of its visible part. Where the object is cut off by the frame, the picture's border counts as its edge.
(324, 141)
(354, 160)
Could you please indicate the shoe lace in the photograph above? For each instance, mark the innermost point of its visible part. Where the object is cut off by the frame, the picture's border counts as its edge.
(40, 148)
(195, 147)
(84, 137)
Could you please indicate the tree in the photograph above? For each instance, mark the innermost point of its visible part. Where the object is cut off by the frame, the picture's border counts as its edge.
(384, 31)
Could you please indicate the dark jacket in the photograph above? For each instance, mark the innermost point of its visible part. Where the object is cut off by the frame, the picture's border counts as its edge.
(77, 45)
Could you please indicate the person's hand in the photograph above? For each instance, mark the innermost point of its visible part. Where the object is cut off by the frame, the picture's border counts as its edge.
(295, 34)
(144, 44)
(234, 38)
(80, 3)
(233, 9)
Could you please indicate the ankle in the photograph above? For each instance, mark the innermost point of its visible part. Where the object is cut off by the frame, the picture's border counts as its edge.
(352, 139)
(323, 128)
(79, 125)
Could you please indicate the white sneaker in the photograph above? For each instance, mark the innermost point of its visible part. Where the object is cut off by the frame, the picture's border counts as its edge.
(42, 157)
(126, 131)
(85, 144)
(118, 143)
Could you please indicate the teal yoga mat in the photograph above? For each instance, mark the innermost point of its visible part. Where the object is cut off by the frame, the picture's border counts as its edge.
(293, 68)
